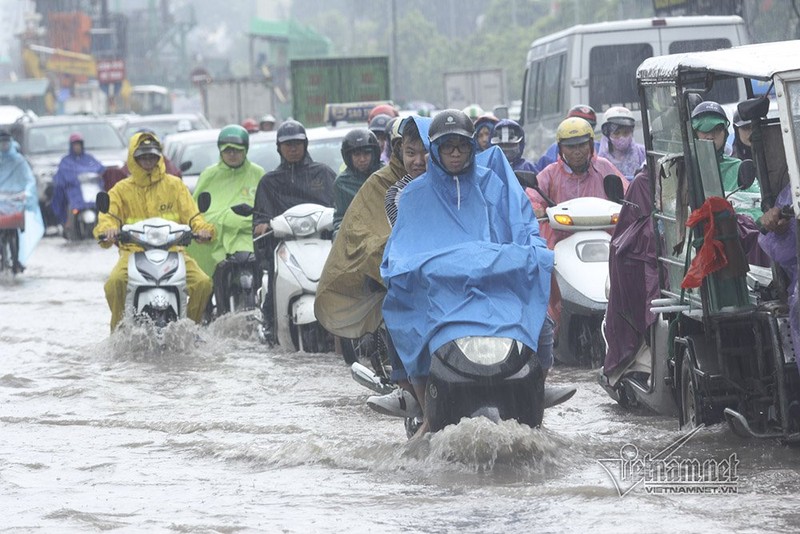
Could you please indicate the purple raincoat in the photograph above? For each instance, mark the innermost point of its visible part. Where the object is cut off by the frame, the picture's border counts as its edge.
(782, 248)
(633, 271)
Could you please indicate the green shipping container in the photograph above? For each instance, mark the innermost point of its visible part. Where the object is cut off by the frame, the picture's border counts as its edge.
(316, 82)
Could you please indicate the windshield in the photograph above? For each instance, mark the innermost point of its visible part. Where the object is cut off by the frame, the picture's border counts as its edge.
(327, 151)
(201, 155)
(55, 138)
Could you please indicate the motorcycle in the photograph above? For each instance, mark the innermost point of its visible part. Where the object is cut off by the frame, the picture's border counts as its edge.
(156, 275)
(581, 268)
(81, 219)
(234, 283)
(303, 244)
(12, 221)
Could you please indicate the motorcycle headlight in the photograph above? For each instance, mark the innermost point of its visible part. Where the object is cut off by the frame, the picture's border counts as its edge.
(593, 251)
(155, 235)
(485, 350)
(305, 225)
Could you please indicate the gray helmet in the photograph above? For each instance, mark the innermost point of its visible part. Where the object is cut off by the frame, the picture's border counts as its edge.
(5, 136)
(291, 130)
(450, 122)
(378, 124)
(709, 107)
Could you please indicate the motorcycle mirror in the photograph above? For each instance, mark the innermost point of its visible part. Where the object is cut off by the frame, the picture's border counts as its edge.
(527, 179)
(753, 108)
(102, 202)
(747, 174)
(612, 185)
(185, 166)
(245, 210)
(204, 201)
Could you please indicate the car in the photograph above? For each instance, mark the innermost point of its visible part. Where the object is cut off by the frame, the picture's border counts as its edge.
(9, 115)
(45, 141)
(194, 151)
(164, 125)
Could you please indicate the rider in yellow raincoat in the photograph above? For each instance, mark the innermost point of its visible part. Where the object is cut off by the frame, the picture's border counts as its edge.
(150, 192)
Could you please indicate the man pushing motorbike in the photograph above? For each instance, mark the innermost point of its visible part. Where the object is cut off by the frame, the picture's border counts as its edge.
(150, 192)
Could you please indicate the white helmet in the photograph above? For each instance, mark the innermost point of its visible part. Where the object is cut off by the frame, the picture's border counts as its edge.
(619, 115)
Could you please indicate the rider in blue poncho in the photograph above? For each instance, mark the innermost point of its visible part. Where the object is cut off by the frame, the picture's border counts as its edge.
(465, 257)
(67, 192)
(16, 177)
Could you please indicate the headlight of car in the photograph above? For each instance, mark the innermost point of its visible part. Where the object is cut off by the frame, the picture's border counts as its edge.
(485, 350)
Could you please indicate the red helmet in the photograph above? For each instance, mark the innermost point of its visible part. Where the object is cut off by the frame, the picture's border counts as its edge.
(75, 138)
(583, 112)
(250, 125)
(386, 109)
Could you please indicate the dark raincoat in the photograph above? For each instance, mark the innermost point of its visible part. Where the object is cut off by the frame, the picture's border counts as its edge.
(306, 181)
(347, 185)
(633, 271)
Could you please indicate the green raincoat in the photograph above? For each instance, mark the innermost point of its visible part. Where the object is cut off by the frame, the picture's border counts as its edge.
(228, 187)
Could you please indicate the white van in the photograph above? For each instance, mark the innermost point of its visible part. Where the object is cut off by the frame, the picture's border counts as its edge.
(596, 64)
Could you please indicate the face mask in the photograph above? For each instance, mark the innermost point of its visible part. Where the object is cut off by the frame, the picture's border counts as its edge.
(621, 143)
(511, 151)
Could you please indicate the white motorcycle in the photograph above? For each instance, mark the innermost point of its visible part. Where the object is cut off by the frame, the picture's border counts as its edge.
(303, 235)
(581, 269)
(156, 275)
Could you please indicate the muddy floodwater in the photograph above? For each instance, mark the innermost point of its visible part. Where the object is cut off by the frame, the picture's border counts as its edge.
(217, 433)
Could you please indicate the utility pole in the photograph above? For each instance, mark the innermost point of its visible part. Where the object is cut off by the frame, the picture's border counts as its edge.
(395, 96)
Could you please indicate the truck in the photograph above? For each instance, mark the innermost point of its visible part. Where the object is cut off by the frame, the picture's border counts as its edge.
(484, 87)
(233, 100)
(317, 82)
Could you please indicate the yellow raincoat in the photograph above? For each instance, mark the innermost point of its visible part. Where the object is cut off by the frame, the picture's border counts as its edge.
(140, 196)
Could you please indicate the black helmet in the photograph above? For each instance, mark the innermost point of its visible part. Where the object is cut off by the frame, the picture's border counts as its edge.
(737, 121)
(4, 135)
(291, 130)
(378, 123)
(360, 138)
(233, 134)
(450, 121)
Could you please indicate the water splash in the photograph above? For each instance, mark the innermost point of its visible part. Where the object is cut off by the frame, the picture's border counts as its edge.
(140, 340)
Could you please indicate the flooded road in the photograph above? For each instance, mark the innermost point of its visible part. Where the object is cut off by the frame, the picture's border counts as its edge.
(220, 434)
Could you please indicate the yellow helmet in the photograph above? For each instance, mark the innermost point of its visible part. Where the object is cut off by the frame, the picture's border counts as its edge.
(574, 131)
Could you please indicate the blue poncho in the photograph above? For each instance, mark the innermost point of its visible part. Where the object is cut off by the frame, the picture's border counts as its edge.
(464, 259)
(66, 187)
(16, 176)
